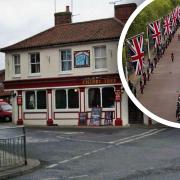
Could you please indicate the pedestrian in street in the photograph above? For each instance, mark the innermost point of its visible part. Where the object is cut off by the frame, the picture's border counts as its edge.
(144, 78)
(155, 61)
(141, 87)
(148, 74)
(172, 57)
(152, 67)
(130, 84)
(149, 63)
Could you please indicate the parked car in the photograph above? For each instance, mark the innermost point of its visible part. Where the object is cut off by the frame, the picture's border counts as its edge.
(5, 111)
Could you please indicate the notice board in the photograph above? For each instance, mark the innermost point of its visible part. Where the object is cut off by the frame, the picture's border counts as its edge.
(83, 116)
(96, 116)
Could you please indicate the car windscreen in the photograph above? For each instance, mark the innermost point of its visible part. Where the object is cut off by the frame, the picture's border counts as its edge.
(6, 107)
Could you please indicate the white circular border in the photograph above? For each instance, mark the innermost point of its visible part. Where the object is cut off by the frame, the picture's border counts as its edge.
(121, 71)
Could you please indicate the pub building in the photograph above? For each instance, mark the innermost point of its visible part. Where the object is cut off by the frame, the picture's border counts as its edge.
(60, 75)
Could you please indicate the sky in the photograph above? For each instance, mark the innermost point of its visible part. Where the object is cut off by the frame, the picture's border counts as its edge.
(20, 19)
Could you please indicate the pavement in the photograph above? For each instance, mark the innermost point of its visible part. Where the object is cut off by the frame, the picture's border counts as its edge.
(32, 164)
(161, 92)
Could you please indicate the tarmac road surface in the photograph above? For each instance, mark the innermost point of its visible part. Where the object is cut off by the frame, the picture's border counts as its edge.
(104, 154)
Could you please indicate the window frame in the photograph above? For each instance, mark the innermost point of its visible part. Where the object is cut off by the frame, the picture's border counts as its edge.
(35, 109)
(100, 87)
(30, 68)
(105, 57)
(60, 62)
(65, 109)
(15, 65)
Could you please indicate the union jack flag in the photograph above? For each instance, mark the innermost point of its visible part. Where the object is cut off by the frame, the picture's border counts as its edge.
(167, 25)
(174, 17)
(155, 28)
(136, 52)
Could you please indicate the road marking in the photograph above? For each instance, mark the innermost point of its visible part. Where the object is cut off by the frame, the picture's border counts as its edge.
(65, 161)
(115, 143)
(140, 137)
(75, 177)
(86, 154)
(76, 157)
(52, 166)
(129, 137)
(82, 140)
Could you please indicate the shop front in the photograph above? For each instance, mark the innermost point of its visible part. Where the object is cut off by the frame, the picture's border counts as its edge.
(66, 101)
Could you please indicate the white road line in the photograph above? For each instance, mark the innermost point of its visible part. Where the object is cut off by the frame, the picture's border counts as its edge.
(86, 154)
(119, 142)
(75, 177)
(152, 130)
(63, 162)
(76, 157)
(140, 137)
(81, 140)
(52, 166)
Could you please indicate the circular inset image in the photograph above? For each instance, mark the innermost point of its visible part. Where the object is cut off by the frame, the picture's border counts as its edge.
(148, 60)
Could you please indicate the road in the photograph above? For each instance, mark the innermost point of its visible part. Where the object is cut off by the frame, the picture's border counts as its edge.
(160, 94)
(104, 153)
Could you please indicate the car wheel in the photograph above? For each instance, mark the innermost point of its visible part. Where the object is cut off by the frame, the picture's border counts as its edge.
(7, 119)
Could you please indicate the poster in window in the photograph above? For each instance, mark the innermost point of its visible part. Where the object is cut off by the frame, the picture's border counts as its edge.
(96, 116)
(81, 58)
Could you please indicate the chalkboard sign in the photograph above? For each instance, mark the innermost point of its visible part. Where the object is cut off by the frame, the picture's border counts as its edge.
(83, 116)
(108, 118)
(96, 116)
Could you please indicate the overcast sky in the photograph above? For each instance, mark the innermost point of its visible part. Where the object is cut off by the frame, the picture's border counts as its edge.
(20, 19)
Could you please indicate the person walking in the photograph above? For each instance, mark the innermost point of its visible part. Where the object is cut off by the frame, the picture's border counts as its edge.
(148, 74)
(152, 67)
(141, 87)
(155, 61)
(144, 78)
(172, 57)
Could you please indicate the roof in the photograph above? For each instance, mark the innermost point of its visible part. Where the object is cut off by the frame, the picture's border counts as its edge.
(65, 34)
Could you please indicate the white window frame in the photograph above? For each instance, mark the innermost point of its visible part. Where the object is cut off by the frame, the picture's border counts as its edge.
(30, 73)
(100, 69)
(65, 109)
(100, 87)
(60, 62)
(35, 109)
(15, 65)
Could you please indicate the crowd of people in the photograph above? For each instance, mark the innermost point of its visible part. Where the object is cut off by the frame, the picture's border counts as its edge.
(151, 65)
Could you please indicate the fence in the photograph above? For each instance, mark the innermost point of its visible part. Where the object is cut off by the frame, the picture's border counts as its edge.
(12, 147)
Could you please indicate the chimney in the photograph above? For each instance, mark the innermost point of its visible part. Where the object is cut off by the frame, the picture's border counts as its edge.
(123, 12)
(63, 17)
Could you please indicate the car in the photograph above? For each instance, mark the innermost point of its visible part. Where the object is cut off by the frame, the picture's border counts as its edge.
(5, 111)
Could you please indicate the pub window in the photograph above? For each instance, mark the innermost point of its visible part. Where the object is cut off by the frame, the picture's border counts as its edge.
(66, 60)
(100, 57)
(30, 100)
(94, 97)
(35, 63)
(17, 64)
(73, 98)
(60, 97)
(41, 99)
(35, 99)
(108, 97)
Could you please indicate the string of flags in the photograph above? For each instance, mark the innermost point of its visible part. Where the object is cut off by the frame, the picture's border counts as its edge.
(156, 29)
